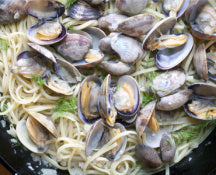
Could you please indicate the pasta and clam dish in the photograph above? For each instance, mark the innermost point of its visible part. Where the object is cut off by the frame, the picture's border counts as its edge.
(109, 87)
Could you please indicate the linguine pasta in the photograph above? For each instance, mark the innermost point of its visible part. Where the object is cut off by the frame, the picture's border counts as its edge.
(67, 152)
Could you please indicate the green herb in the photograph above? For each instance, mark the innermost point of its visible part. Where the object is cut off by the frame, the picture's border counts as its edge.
(147, 97)
(118, 87)
(189, 133)
(68, 3)
(38, 79)
(4, 107)
(209, 115)
(65, 105)
(4, 44)
(150, 76)
(169, 141)
(71, 28)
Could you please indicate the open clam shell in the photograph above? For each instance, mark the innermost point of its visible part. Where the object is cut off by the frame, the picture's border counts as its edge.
(196, 28)
(106, 102)
(45, 9)
(45, 121)
(109, 133)
(29, 64)
(88, 99)
(178, 7)
(144, 117)
(202, 109)
(171, 57)
(162, 27)
(101, 134)
(127, 96)
(32, 32)
(204, 90)
(43, 50)
(24, 138)
(200, 62)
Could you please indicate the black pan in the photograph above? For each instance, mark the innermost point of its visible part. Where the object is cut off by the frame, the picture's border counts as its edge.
(202, 161)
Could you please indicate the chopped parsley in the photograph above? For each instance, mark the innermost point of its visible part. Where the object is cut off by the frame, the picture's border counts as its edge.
(38, 79)
(147, 97)
(4, 107)
(66, 105)
(4, 44)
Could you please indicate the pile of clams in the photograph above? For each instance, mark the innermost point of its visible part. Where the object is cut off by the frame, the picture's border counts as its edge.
(117, 46)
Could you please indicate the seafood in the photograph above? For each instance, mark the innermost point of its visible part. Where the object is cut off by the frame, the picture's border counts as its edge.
(47, 31)
(12, 11)
(101, 133)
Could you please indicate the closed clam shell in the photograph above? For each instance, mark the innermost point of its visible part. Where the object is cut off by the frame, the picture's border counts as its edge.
(12, 10)
(111, 21)
(137, 26)
(131, 6)
(117, 68)
(82, 11)
(74, 47)
(129, 49)
(148, 156)
(174, 101)
(200, 62)
(24, 138)
(167, 148)
(96, 2)
(105, 43)
(168, 82)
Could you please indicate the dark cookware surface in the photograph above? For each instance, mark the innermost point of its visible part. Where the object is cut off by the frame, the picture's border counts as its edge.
(202, 161)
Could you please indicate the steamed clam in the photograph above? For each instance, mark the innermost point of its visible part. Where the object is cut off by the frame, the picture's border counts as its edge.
(174, 7)
(12, 10)
(202, 20)
(88, 99)
(201, 105)
(29, 64)
(131, 6)
(34, 133)
(83, 11)
(100, 133)
(47, 31)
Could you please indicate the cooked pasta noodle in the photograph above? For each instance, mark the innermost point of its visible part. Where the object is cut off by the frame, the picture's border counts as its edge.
(67, 152)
